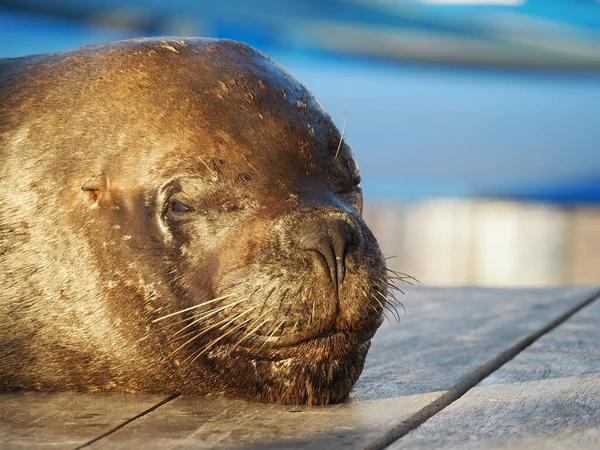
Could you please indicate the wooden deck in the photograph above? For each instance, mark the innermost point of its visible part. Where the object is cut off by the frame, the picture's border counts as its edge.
(465, 368)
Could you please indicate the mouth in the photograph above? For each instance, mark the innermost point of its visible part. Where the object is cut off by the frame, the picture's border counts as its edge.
(279, 342)
(261, 346)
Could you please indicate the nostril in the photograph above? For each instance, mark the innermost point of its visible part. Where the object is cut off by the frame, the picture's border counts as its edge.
(328, 258)
(330, 240)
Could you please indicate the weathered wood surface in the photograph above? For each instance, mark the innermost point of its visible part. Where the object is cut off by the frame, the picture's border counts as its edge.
(448, 332)
(65, 420)
(547, 397)
(445, 336)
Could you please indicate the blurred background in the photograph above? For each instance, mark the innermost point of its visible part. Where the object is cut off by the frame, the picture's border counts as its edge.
(476, 124)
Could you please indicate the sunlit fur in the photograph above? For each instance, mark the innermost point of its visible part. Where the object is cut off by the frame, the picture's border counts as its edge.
(152, 193)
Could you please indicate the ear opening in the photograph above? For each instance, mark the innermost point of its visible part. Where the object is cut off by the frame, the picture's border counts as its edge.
(94, 187)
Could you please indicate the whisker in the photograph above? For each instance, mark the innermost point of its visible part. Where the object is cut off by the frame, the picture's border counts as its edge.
(392, 308)
(386, 304)
(398, 302)
(386, 316)
(272, 333)
(374, 308)
(249, 333)
(401, 275)
(391, 279)
(170, 325)
(211, 313)
(341, 136)
(390, 284)
(205, 330)
(403, 280)
(185, 335)
(393, 296)
(196, 335)
(380, 303)
(393, 287)
(191, 307)
(209, 345)
(227, 321)
(394, 311)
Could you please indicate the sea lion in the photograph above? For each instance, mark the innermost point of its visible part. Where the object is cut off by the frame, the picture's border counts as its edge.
(179, 215)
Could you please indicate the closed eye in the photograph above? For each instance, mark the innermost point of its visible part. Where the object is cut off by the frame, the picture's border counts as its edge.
(177, 207)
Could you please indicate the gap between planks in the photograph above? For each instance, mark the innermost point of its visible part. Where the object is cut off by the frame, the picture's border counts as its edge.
(474, 378)
(128, 421)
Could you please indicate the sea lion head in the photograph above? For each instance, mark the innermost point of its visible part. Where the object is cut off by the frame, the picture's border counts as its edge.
(224, 208)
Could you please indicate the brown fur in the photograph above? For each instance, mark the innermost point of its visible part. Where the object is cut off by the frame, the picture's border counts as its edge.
(96, 147)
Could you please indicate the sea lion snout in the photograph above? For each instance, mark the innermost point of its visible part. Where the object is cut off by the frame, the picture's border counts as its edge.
(328, 241)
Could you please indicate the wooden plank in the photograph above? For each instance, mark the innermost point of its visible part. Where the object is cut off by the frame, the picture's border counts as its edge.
(449, 332)
(445, 335)
(64, 420)
(547, 397)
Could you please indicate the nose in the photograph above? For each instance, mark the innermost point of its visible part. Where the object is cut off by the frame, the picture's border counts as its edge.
(329, 241)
